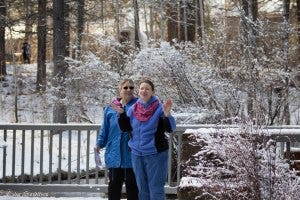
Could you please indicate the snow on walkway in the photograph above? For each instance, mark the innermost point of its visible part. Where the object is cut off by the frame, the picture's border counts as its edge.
(50, 198)
(11, 195)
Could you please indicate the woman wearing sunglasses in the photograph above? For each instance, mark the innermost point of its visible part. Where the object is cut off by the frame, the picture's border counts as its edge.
(117, 152)
(148, 120)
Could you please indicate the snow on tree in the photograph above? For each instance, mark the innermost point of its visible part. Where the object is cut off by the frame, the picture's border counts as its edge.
(235, 163)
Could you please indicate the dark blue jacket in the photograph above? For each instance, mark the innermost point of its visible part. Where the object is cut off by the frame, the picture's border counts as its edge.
(117, 152)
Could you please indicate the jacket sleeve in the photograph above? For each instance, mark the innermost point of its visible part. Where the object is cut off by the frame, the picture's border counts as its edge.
(103, 132)
(124, 123)
(169, 124)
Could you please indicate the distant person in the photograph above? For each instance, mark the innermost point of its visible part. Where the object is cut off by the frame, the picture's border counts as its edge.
(147, 121)
(117, 152)
(26, 52)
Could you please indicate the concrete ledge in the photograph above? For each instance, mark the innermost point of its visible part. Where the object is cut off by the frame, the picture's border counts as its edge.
(61, 188)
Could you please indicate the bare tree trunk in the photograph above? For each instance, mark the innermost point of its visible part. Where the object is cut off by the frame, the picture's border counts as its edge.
(59, 51)
(298, 29)
(16, 94)
(199, 25)
(151, 22)
(298, 24)
(286, 15)
(102, 13)
(197, 19)
(181, 21)
(79, 29)
(28, 19)
(254, 8)
(201, 10)
(136, 25)
(249, 35)
(42, 35)
(162, 21)
(172, 21)
(185, 20)
(191, 20)
(117, 18)
(2, 39)
(67, 25)
(146, 21)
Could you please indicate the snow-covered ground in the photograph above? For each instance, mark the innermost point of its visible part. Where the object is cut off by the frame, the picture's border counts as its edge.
(50, 198)
(11, 195)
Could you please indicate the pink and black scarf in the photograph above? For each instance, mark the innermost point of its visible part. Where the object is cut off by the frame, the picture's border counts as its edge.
(144, 114)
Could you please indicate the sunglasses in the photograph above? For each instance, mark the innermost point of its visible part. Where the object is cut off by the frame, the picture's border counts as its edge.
(131, 87)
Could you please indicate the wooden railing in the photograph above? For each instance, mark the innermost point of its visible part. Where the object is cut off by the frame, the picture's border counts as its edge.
(59, 157)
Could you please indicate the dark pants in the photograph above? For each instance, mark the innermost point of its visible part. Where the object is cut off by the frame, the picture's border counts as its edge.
(26, 58)
(116, 178)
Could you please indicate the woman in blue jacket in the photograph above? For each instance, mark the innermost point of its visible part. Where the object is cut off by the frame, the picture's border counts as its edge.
(117, 153)
(147, 121)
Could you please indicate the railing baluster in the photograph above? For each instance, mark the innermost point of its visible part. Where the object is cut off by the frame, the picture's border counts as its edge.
(106, 176)
(59, 155)
(41, 155)
(69, 156)
(50, 155)
(170, 158)
(288, 151)
(31, 156)
(179, 147)
(87, 156)
(23, 156)
(96, 168)
(13, 157)
(96, 175)
(78, 156)
(4, 157)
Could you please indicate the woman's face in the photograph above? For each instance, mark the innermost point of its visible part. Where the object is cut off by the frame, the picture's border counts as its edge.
(127, 91)
(145, 92)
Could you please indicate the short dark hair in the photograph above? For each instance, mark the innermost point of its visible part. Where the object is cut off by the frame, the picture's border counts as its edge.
(148, 81)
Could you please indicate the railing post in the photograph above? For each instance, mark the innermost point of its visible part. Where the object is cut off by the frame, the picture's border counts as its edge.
(78, 156)
(87, 157)
(59, 155)
(41, 155)
(4, 157)
(31, 156)
(288, 151)
(69, 155)
(170, 158)
(23, 156)
(179, 147)
(13, 157)
(50, 155)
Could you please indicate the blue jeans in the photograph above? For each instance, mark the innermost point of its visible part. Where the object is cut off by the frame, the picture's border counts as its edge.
(150, 174)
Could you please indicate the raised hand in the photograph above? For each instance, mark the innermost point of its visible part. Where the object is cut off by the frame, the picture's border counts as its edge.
(117, 108)
(167, 107)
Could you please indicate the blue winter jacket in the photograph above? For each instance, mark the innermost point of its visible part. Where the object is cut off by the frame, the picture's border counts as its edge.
(147, 137)
(117, 153)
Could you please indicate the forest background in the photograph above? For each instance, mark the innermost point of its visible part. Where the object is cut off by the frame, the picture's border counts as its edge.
(219, 61)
